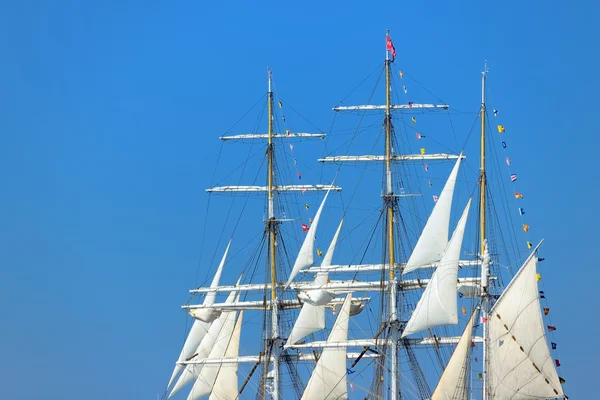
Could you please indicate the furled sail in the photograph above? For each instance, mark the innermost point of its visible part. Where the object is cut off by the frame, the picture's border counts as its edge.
(203, 349)
(306, 255)
(434, 238)
(312, 317)
(520, 365)
(328, 380)
(200, 326)
(208, 374)
(453, 382)
(438, 304)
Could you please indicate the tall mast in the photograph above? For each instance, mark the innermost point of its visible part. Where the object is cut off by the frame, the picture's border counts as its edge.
(390, 202)
(484, 264)
(271, 227)
(482, 177)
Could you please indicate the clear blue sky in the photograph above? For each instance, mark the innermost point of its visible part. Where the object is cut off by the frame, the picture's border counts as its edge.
(109, 118)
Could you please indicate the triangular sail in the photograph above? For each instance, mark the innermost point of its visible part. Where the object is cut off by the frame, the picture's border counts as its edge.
(434, 238)
(328, 380)
(453, 382)
(312, 318)
(438, 303)
(306, 255)
(208, 374)
(202, 350)
(199, 328)
(520, 365)
(226, 384)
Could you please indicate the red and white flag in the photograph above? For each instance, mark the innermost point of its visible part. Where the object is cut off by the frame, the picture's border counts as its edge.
(390, 46)
(304, 227)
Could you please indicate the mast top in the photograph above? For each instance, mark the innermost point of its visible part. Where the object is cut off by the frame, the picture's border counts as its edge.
(269, 73)
(483, 76)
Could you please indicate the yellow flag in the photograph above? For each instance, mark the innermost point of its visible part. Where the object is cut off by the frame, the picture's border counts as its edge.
(306, 206)
(414, 120)
(538, 277)
(401, 74)
(280, 104)
(319, 252)
(423, 151)
(525, 228)
(529, 245)
(464, 310)
(500, 128)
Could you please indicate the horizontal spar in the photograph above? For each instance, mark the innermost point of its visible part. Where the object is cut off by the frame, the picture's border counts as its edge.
(281, 188)
(379, 342)
(405, 157)
(373, 107)
(261, 305)
(275, 135)
(335, 286)
(255, 359)
(376, 267)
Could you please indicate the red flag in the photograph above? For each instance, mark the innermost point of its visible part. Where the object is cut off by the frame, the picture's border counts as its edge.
(304, 227)
(390, 46)
(557, 362)
(551, 328)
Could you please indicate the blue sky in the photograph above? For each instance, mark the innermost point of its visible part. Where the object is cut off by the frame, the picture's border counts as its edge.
(110, 118)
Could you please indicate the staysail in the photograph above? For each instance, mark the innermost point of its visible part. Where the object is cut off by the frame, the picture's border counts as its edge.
(520, 365)
(453, 382)
(434, 238)
(306, 255)
(312, 317)
(200, 327)
(328, 380)
(438, 303)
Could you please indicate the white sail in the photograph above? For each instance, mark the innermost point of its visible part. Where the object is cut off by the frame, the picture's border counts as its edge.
(306, 255)
(453, 382)
(201, 326)
(312, 317)
(520, 365)
(328, 380)
(434, 238)
(208, 374)
(438, 304)
(202, 350)
(226, 384)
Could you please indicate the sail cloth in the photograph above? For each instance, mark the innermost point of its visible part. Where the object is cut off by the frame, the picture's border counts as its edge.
(520, 365)
(438, 304)
(453, 382)
(434, 238)
(226, 384)
(312, 318)
(208, 374)
(306, 255)
(199, 328)
(328, 380)
(203, 349)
